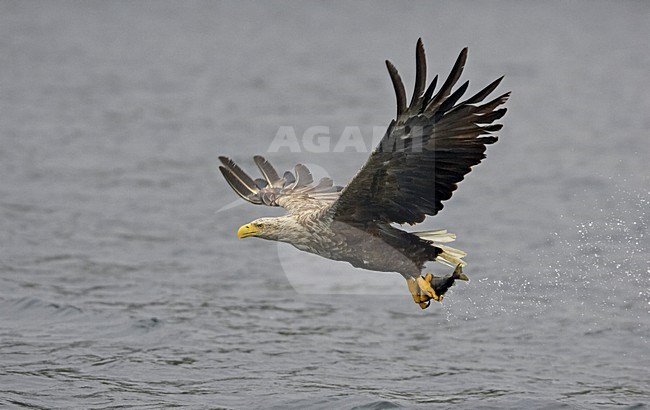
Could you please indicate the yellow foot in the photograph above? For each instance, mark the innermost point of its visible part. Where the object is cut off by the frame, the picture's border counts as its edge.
(425, 287)
(422, 291)
(421, 300)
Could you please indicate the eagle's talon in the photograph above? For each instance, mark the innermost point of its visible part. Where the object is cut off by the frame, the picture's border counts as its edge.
(428, 278)
(424, 283)
(421, 290)
(413, 288)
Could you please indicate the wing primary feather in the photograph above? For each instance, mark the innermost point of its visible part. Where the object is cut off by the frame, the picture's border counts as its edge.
(303, 176)
(238, 172)
(454, 75)
(491, 116)
(449, 102)
(238, 186)
(324, 185)
(428, 93)
(288, 178)
(493, 127)
(267, 170)
(489, 106)
(420, 74)
(398, 85)
(480, 96)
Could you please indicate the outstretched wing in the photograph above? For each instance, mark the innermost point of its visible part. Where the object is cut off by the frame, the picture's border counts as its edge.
(426, 151)
(293, 191)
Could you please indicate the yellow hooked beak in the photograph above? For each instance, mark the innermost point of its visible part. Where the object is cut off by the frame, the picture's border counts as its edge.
(246, 231)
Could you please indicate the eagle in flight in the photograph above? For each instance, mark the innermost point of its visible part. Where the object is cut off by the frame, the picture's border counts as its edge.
(427, 150)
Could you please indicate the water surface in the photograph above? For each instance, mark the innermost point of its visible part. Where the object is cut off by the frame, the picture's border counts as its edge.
(122, 286)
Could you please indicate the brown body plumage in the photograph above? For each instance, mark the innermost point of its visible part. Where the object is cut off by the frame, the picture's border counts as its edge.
(429, 147)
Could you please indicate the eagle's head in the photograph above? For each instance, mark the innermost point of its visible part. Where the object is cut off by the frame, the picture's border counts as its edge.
(275, 229)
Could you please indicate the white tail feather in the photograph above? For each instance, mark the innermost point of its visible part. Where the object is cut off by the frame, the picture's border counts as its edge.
(439, 235)
(451, 257)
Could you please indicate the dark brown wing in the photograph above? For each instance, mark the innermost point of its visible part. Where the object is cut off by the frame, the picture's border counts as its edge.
(426, 151)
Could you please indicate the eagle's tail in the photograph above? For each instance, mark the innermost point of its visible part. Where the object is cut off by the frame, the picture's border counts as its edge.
(449, 256)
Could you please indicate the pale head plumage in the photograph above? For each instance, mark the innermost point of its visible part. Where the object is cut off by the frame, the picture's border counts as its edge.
(283, 228)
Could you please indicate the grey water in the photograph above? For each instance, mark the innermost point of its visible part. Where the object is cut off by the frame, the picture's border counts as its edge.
(122, 282)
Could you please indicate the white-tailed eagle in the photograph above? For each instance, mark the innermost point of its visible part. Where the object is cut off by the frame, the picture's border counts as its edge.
(427, 150)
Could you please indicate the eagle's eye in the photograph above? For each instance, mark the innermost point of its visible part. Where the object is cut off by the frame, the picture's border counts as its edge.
(260, 225)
